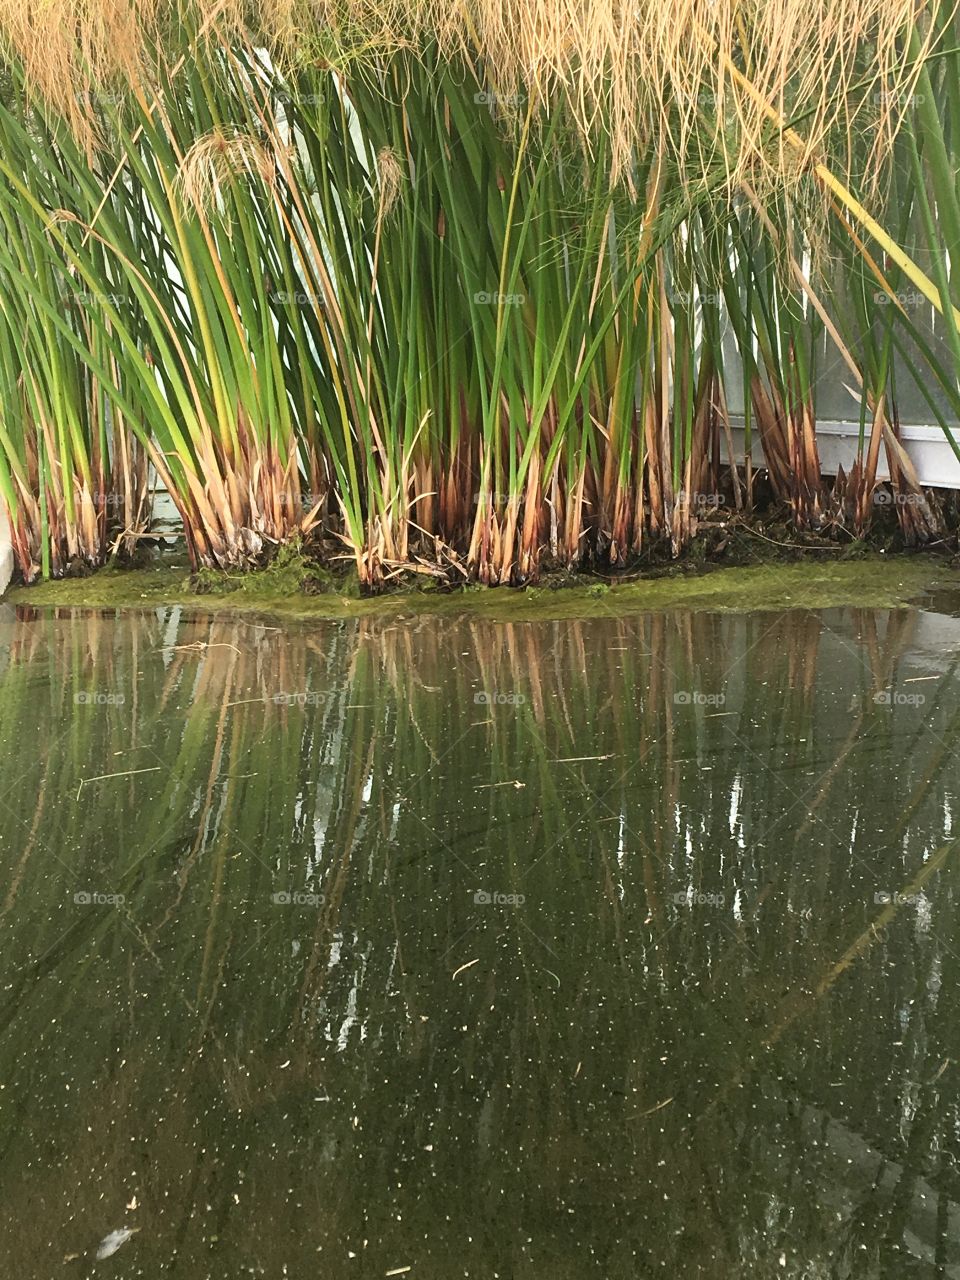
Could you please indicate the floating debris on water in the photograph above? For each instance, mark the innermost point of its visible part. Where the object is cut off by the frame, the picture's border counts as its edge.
(111, 1243)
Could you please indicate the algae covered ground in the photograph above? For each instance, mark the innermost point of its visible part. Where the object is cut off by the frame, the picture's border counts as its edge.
(291, 588)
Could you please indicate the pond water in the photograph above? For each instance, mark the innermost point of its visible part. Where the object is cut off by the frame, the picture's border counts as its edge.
(614, 948)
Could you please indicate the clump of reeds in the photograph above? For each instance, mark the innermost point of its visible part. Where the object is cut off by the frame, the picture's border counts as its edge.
(466, 285)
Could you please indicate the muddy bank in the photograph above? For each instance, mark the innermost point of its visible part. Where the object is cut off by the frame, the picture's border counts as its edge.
(876, 580)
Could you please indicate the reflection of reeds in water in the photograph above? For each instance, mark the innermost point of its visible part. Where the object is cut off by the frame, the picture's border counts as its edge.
(607, 1028)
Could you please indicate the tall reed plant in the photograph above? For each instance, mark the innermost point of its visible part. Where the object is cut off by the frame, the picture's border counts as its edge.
(459, 294)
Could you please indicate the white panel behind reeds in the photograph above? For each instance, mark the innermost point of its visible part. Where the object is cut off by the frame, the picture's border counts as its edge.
(6, 552)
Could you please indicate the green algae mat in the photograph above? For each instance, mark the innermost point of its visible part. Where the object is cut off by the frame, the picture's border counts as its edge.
(875, 581)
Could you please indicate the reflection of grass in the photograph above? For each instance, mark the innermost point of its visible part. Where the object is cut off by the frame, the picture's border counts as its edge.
(214, 1019)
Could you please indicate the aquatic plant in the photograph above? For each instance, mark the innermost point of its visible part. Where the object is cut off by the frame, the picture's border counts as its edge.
(454, 289)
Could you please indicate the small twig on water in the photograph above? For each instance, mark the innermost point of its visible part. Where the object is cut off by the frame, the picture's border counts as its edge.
(198, 646)
(125, 773)
(659, 1107)
(798, 546)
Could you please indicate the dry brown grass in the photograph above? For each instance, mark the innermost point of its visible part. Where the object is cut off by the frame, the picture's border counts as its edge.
(639, 71)
(217, 160)
(633, 71)
(71, 49)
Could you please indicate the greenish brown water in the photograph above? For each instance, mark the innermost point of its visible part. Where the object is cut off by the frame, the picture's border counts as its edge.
(617, 947)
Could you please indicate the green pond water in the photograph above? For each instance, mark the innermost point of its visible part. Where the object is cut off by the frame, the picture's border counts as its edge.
(618, 947)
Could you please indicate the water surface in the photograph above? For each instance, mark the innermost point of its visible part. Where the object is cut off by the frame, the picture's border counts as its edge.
(614, 948)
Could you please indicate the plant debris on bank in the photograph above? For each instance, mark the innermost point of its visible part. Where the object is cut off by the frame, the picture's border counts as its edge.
(752, 568)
